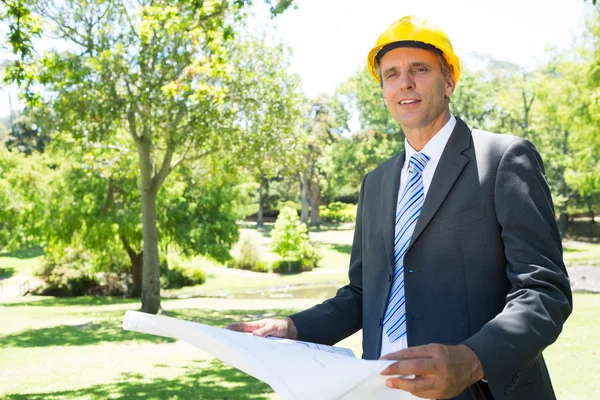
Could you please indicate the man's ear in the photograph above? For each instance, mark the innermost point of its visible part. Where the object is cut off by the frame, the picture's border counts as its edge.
(450, 85)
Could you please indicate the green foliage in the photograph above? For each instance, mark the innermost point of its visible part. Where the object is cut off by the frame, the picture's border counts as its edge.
(248, 258)
(364, 151)
(198, 212)
(23, 28)
(289, 234)
(166, 83)
(175, 273)
(25, 136)
(337, 212)
(363, 94)
(25, 191)
(308, 260)
(70, 272)
(291, 243)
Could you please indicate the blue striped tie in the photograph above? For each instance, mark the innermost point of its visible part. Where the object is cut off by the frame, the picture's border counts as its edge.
(408, 210)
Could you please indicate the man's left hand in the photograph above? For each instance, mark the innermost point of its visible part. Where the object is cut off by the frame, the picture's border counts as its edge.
(441, 372)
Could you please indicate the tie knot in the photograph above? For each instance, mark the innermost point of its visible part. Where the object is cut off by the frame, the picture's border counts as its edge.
(417, 162)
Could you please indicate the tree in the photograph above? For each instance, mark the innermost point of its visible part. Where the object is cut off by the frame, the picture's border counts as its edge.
(25, 184)
(378, 138)
(158, 72)
(289, 235)
(473, 99)
(271, 109)
(25, 135)
(23, 27)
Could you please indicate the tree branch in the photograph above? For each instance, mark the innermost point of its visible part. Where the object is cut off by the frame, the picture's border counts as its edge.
(185, 159)
(165, 169)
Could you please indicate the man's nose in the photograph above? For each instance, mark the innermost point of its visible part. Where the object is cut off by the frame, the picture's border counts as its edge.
(406, 82)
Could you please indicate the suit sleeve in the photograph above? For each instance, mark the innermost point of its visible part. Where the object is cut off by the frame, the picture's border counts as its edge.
(540, 298)
(340, 316)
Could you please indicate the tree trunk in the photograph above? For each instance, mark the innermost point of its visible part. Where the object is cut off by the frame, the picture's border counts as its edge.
(563, 221)
(151, 270)
(262, 189)
(136, 268)
(304, 197)
(315, 202)
(563, 215)
(590, 207)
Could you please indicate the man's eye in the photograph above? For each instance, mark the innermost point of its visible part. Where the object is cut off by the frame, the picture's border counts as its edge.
(391, 75)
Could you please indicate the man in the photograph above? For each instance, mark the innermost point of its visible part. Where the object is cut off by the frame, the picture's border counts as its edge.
(456, 268)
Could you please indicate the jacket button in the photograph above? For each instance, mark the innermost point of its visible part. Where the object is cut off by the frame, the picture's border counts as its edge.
(411, 270)
(389, 277)
(380, 321)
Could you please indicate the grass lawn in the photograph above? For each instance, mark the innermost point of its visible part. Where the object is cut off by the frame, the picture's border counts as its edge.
(75, 349)
(581, 253)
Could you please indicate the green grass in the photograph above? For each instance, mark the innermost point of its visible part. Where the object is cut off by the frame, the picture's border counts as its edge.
(20, 262)
(75, 349)
(574, 360)
(581, 253)
(225, 282)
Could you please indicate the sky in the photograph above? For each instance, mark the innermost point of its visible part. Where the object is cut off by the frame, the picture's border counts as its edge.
(331, 38)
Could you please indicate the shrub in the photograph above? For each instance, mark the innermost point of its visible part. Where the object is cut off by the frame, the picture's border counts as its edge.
(70, 272)
(337, 212)
(248, 259)
(288, 266)
(175, 273)
(291, 243)
(310, 257)
(289, 234)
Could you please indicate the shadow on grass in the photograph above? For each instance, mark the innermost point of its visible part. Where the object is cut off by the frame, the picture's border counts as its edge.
(92, 333)
(342, 248)
(22, 254)
(332, 227)
(72, 301)
(572, 250)
(207, 380)
(107, 328)
(222, 318)
(265, 230)
(6, 272)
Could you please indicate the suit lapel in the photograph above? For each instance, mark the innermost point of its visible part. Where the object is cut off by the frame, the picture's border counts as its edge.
(449, 168)
(389, 198)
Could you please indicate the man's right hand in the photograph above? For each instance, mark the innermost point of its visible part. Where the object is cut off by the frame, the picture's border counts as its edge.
(283, 328)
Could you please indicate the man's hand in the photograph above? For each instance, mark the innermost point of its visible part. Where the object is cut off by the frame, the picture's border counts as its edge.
(283, 328)
(441, 372)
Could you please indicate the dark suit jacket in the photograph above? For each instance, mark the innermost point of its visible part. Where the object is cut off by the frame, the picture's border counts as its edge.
(484, 266)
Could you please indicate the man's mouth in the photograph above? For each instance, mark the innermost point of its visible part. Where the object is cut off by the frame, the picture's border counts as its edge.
(404, 102)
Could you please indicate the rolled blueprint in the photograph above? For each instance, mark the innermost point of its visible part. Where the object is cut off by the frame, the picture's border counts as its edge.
(294, 370)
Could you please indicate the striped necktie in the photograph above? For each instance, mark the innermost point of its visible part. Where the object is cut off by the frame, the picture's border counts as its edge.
(407, 214)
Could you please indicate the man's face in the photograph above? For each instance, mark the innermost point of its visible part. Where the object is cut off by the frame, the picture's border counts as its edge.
(414, 87)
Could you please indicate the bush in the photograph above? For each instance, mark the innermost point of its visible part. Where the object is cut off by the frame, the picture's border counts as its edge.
(288, 267)
(289, 234)
(248, 259)
(70, 273)
(310, 257)
(175, 274)
(338, 212)
(291, 242)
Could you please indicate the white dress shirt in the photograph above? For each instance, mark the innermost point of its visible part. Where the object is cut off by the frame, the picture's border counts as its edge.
(433, 149)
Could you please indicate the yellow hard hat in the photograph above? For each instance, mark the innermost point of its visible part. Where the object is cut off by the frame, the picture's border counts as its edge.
(418, 30)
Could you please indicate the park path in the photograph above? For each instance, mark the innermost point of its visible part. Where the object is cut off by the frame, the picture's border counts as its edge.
(584, 278)
(10, 287)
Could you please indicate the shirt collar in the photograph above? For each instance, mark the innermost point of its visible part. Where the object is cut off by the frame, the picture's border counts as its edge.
(435, 147)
